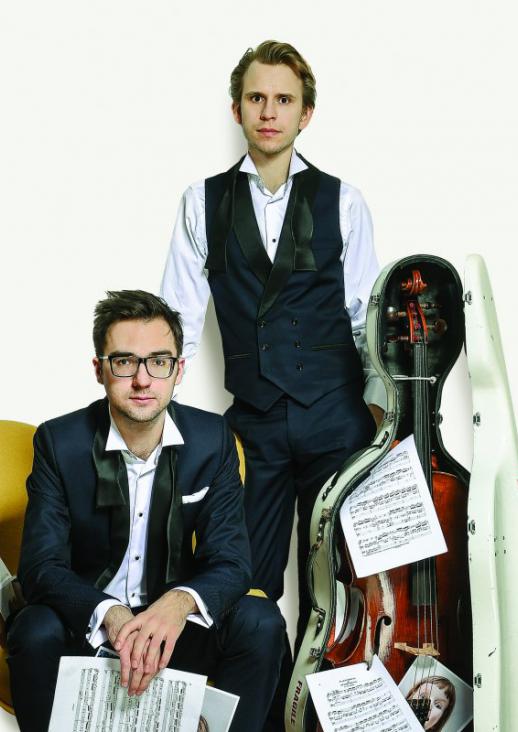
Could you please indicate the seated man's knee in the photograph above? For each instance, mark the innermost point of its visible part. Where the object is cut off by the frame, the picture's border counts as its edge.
(37, 629)
(259, 621)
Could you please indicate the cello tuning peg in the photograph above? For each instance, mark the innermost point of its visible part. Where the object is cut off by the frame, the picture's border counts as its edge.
(440, 326)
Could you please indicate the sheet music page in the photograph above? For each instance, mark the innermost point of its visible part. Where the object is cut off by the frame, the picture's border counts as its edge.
(390, 519)
(218, 709)
(89, 698)
(356, 699)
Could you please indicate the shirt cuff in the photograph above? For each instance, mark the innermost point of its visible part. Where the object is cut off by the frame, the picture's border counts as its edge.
(203, 617)
(375, 392)
(97, 634)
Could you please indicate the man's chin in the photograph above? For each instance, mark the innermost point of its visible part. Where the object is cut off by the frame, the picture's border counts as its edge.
(269, 147)
(142, 414)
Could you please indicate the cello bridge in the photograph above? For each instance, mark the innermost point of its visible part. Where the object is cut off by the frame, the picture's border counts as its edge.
(427, 649)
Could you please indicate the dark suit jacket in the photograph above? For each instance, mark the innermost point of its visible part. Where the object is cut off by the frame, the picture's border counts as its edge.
(68, 539)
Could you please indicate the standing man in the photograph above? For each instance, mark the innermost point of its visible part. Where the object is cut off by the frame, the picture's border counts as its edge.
(290, 262)
(116, 491)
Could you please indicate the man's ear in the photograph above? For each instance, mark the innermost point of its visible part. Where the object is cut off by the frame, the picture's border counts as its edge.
(305, 119)
(98, 368)
(236, 111)
(181, 367)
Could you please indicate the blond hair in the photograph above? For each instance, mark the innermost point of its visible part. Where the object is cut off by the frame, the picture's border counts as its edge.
(272, 53)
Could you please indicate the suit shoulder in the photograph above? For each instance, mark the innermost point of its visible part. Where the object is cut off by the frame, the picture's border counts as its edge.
(192, 415)
(197, 426)
(81, 420)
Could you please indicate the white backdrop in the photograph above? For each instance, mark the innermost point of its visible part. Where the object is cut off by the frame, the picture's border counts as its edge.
(111, 108)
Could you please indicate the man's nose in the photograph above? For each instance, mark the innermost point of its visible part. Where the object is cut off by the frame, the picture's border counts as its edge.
(268, 110)
(142, 378)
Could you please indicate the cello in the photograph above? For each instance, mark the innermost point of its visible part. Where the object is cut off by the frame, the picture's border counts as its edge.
(415, 331)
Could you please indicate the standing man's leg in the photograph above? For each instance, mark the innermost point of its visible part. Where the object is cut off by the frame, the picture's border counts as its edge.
(323, 436)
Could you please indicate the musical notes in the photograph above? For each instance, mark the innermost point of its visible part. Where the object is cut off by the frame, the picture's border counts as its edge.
(89, 697)
(356, 699)
(389, 520)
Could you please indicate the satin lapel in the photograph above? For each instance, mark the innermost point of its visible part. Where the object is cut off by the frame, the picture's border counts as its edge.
(247, 231)
(113, 493)
(302, 220)
(221, 224)
(294, 251)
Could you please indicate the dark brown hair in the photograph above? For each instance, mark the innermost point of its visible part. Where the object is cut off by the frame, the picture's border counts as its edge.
(272, 53)
(133, 305)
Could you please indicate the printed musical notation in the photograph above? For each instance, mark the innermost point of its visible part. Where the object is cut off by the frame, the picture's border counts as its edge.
(89, 698)
(389, 520)
(356, 698)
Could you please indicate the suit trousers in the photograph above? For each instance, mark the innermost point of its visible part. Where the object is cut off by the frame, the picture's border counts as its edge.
(290, 452)
(242, 657)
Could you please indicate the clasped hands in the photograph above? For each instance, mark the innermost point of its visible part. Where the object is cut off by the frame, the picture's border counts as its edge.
(145, 642)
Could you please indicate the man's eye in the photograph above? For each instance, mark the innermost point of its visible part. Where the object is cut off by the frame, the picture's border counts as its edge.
(256, 98)
(122, 361)
(284, 100)
(158, 361)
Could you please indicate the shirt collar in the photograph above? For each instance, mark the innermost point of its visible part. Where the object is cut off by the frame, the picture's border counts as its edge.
(297, 165)
(170, 436)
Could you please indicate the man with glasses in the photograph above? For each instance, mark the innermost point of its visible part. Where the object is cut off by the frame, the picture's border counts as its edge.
(116, 493)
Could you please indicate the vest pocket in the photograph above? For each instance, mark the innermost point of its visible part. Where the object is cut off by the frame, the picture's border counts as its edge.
(330, 346)
(237, 355)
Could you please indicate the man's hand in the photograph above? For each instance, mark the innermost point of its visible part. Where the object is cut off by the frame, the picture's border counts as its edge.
(378, 414)
(143, 636)
(114, 619)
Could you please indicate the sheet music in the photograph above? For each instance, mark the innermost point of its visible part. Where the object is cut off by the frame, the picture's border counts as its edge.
(356, 699)
(390, 519)
(218, 709)
(89, 698)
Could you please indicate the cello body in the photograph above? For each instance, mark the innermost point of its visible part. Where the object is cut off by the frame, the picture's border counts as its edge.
(377, 614)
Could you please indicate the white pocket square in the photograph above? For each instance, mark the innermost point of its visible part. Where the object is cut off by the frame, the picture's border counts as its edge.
(195, 496)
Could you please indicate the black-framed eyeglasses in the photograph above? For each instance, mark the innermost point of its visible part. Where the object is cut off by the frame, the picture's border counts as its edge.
(127, 365)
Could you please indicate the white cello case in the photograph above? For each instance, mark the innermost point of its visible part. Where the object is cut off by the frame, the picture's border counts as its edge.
(493, 512)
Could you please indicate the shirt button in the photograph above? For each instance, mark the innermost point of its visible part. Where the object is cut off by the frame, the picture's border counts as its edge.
(137, 558)
(133, 594)
(297, 344)
(274, 240)
(262, 323)
(294, 321)
(265, 347)
(140, 515)
(300, 366)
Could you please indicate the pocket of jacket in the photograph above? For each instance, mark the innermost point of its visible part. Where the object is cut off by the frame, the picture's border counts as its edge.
(195, 497)
(237, 355)
(329, 346)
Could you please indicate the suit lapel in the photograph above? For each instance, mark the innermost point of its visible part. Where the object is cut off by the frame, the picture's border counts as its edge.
(112, 492)
(247, 231)
(294, 251)
(165, 527)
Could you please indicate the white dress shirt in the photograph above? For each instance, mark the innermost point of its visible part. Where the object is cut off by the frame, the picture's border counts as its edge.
(129, 582)
(186, 288)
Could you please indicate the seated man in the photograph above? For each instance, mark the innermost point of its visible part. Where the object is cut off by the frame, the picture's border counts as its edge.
(116, 491)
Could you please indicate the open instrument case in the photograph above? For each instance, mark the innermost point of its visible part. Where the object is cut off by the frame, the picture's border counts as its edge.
(420, 298)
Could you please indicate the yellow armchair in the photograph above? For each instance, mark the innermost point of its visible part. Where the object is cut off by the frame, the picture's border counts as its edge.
(16, 454)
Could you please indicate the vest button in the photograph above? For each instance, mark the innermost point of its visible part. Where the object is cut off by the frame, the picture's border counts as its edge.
(294, 321)
(262, 323)
(265, 347)
(297, 344)
(300, 366)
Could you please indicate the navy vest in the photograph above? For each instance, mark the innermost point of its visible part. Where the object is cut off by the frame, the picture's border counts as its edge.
(284, 326)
